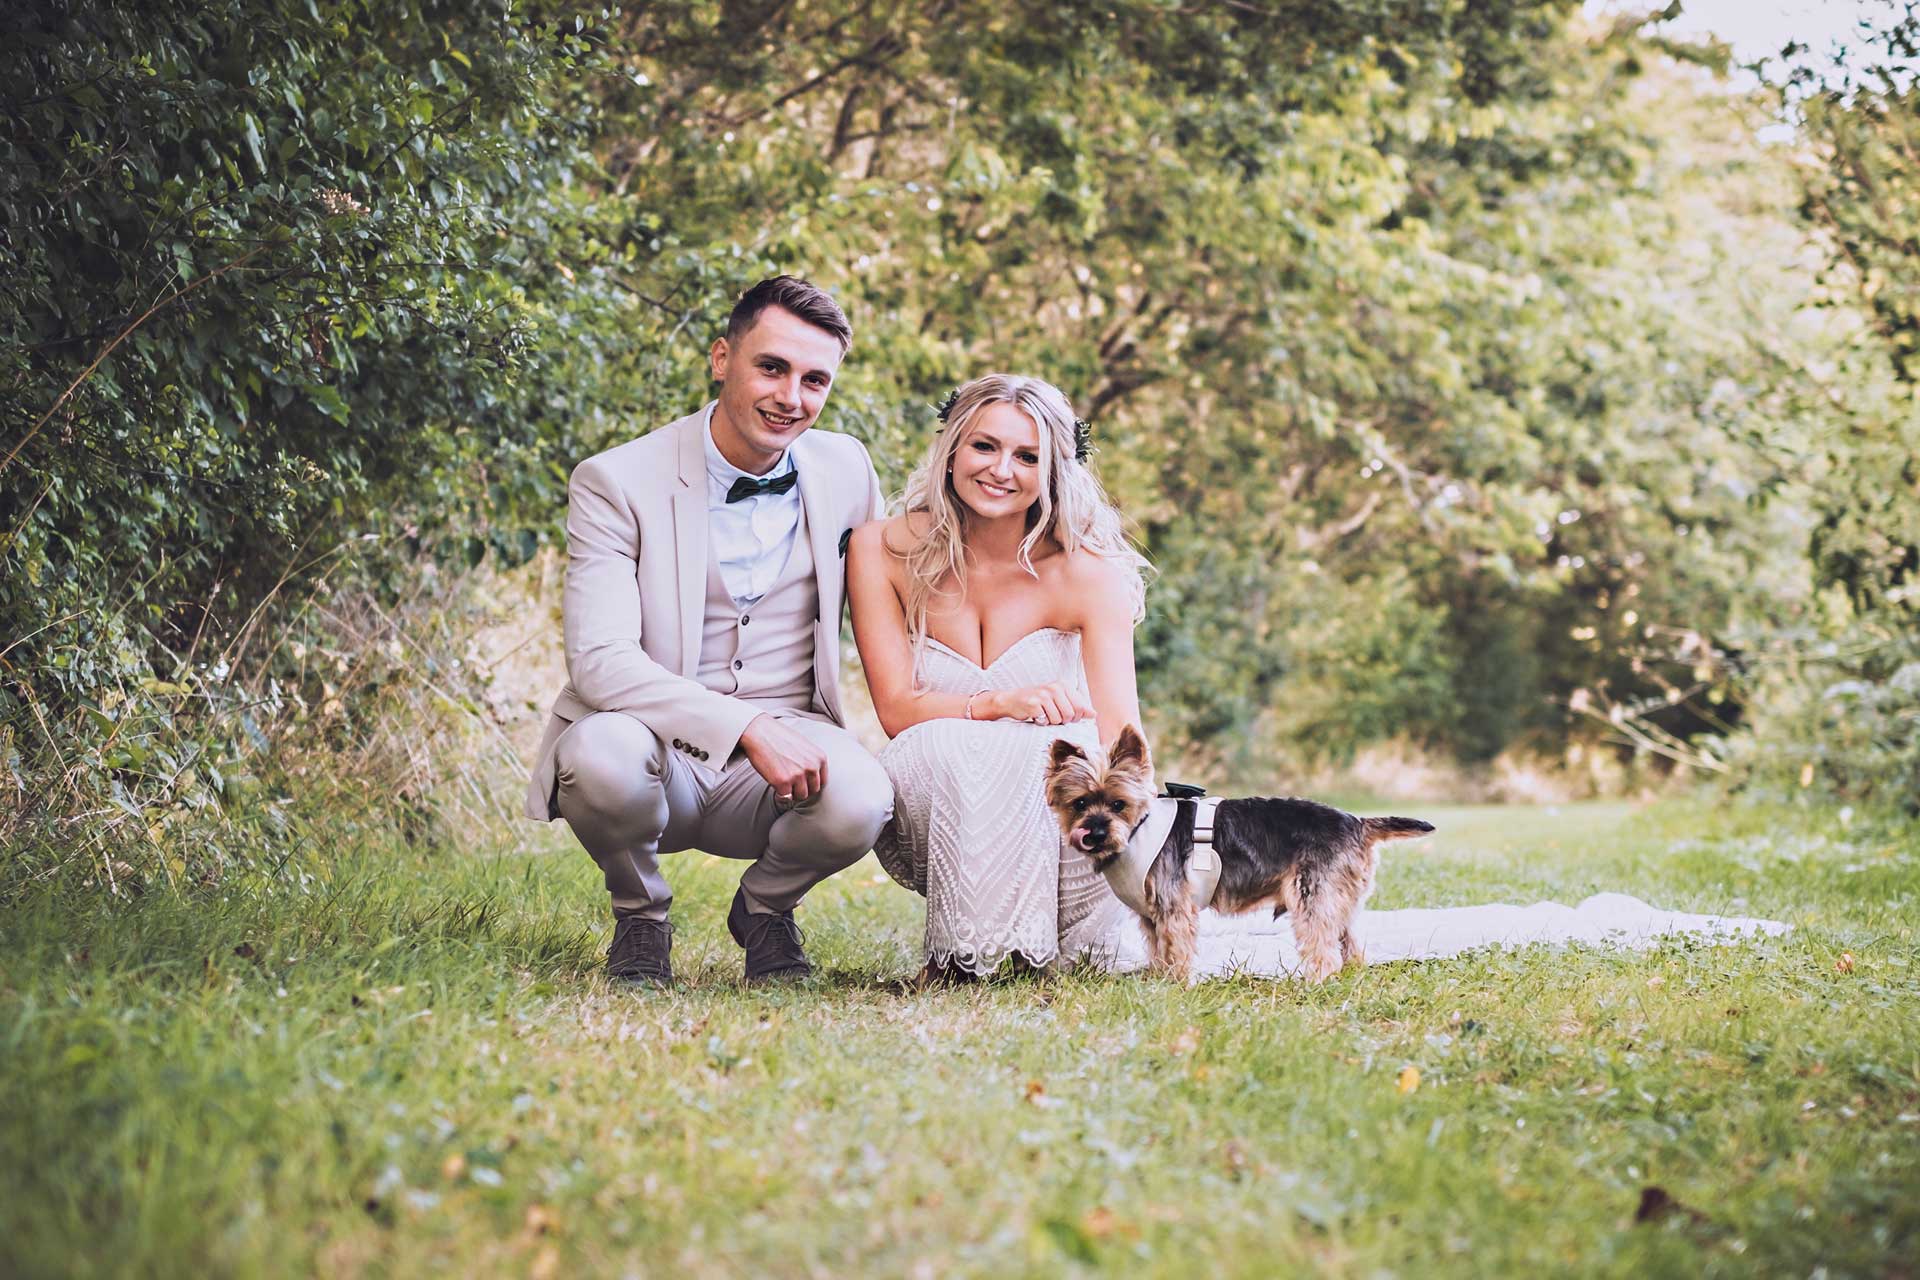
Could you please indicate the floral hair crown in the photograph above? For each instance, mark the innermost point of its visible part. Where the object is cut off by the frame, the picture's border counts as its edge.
(1082, 429)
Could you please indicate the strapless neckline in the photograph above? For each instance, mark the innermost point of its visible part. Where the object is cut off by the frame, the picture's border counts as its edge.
(1000, 657)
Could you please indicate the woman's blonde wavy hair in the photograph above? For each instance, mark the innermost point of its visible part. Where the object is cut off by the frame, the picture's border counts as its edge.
(1072, 507)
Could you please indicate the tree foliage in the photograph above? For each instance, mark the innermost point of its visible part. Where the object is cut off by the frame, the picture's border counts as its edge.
(268, 268)
(1844, 703)
(1445, 354)
(1399, 349)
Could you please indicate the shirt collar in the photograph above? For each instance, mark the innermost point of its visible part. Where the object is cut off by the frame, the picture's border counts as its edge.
(721, 474)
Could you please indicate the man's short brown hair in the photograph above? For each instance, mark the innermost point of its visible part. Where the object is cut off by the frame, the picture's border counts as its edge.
(790, 293)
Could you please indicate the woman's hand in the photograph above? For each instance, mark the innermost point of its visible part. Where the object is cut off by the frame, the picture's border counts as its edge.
(1038, 704)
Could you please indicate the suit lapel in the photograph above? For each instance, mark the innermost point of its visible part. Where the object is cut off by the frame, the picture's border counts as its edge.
(823, 529)
(823, 535)
(690, 538)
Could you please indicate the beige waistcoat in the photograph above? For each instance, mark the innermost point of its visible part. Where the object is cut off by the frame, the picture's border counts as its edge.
(762, 653)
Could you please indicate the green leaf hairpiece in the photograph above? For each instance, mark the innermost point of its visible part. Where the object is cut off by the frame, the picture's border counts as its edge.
(1082, 429)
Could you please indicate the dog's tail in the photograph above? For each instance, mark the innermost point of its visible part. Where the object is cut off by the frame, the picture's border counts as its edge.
(1394, 828)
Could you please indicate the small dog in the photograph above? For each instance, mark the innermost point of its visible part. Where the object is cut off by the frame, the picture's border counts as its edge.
(1308, 860)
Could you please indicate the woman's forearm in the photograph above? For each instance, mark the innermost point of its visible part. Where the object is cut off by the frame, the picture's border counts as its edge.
(901, 712)
(1115, 693)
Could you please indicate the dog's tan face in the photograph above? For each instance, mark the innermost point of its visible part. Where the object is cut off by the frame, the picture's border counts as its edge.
(1100, 799)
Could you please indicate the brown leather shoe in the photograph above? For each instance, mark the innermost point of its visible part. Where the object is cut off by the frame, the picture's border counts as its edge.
(773, 942)
(642, 952)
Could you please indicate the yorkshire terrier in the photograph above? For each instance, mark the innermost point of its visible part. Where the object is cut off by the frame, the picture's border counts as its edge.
(1307, 860)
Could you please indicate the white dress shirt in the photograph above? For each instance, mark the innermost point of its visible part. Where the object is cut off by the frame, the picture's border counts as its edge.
(749, 539)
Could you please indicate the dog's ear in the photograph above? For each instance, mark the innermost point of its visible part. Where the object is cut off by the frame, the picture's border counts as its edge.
(1129, 750)
(1064, 751)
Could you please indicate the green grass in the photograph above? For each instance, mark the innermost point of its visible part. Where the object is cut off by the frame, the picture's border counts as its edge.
(410, 1063)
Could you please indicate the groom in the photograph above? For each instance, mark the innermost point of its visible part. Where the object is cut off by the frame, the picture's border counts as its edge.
(702, 617)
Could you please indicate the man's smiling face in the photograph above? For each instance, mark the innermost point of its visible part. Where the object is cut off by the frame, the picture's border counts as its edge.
(774, 381)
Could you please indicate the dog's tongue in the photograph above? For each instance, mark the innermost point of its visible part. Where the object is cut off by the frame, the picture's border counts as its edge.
(1079, 839)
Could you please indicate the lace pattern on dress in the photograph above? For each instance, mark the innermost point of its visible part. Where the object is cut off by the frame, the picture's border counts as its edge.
(972, 832)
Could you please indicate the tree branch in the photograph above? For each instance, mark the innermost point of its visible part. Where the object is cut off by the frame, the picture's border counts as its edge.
(885, 47)
(119, 338)
(1313, 539)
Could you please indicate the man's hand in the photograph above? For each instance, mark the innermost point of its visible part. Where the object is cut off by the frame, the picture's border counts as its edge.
(786, 758)
(1039, 704)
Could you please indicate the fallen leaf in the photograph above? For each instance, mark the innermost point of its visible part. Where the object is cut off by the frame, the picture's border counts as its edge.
(1656, 1204)
(1099, 1222)
(1036, 1092)
(1845, 963)
(1409, 1079)
(453, 1166)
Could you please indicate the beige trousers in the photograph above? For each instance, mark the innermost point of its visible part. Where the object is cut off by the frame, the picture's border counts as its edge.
(629, 799)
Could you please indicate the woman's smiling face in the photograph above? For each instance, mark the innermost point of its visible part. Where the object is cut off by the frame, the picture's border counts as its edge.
(996, 470)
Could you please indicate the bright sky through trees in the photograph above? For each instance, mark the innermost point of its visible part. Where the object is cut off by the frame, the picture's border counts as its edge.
(1758, 28)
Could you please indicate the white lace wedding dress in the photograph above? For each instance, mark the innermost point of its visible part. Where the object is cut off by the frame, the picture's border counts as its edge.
(972, 834)
(971, 831)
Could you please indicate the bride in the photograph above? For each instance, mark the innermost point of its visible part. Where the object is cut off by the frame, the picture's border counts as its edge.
(996, 614)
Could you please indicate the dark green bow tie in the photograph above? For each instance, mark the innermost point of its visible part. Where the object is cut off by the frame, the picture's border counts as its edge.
(747, 487)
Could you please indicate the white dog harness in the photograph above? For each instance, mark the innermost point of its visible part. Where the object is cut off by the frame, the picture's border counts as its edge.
(1127, 874)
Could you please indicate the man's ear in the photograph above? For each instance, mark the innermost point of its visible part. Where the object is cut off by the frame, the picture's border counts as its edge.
(1064, 751)
(717, 359)
(1129, 750)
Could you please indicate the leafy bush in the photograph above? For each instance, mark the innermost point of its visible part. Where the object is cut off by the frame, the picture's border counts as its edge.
(279, 276)
(1843, 706)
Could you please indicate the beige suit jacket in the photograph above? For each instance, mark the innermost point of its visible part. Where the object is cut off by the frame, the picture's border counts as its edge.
(637, 584)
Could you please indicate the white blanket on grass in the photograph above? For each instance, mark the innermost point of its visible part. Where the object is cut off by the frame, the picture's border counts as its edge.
(1261, 945)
